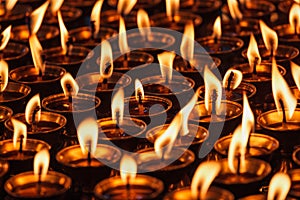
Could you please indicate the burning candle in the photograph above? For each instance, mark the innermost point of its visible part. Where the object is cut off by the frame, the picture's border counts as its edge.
(129, 185)
(89, 162)
(5, 114)
(40, 183)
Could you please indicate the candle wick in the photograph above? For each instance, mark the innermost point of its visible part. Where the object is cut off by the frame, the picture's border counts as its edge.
(237, 26)
(1, 83)
(230, 79)
(198, 189)
(295, 27)
(238, 171)
(34, 122)
(140, 103)
(214, 97)
(69, 88)
(21, 144)
(128, 187)
(188, 64)
(126, 59)
(117, 119)
(69, 43)
(93, 29)
(283, 113)
(89, 159)
(28, 22)
(39, 191)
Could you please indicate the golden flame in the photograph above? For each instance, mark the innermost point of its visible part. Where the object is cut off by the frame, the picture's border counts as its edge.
(296, 73)
(172, 7)
(187, 43)
(294, 18)
(69, 85)
(32, 104)
(41, 162)
(123, 45)
(6, 36)
(128, 169)
(117, 107)
(282, 92)
(10, 4)
(106, 60)
(36, 50)
(139, 90)
(269, 36)
(212, 83)
(87, 134)
(3, 75)
(55, 6)
(20, 129)
(203, 177)
(37, 17)
(95, 15)
(247, 119)
(279, 186)
(236, 80)
(143, 23)
(166, 64)
(217, 29)
(63, 33)
(297, 1)
(234, 9)
(125, 6)
(253, 53)
(164, 143)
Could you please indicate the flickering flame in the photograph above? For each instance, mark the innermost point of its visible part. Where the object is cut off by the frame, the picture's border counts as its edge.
(203, 177)
(217, 29)
(87, 134)
(95, 15)
(281, 91)
(253, 53)
(6, 36)
(106, 60)
(63, 33)
(297, 1)
(128, 169)
(296, 74)
(69, 85)
(10, 4)
(55, 6)
(123, 45)
(20, 129)
(3, 75)
(234, 10)
(172, 8)
(33, 104)
(269, 36)
(37, 17)
(212, 83)
(247, 119)
(41, 163)
(187, 43)
(125, 6)
(164, 143)
(117, 107)
(36, 50)
(166, 64)
(143, 23)
(279, 186)
(294, 18)
(139, 90)
(237, 77)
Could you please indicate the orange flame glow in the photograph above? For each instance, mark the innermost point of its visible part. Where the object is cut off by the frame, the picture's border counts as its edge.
(217, 29)
(125, 6)
(3, 75)
(106, 60)
(87, 134)
(20, 129)
(143, 22)
(234, 9)
(279, 186)
(296, 74)
(55, 6)
(37, 17)
(95, 15)
(41, 163)
(32, 104)
(123, 45)
(139, 90)
(187, 43)
(253, 53)
(128, 169)
(5, 39)
(36, 50)
(117, 106)
(166, 64)
(236, 80)
(69, 85)
(172, 8)
(294, 18)
(63, 33)
(269, 36)
(10, 4)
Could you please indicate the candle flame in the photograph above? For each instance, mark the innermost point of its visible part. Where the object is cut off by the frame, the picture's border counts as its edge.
(139, 90)
(281, 91)
(143, 23)
(55, 5)
(187, 43)
(234, 9)
(253, 53)
(217, 29)
(69, 85)
(203, 177)
(10, 4)
(166, 64)
(172, 8)
(294, 18)
(6, 36)
(64, 35)
(128, 169)
(279, 187)
(37, 17)
(33, 104)
(123, 37)
(125, 6)
(247, 119)
(41, 163)
(297, 1)
(296, 73)
(3, 75)
(95, 15)
(117, 106)
(237, 77)
(106, 60)
(20, 129)
(269, 36)
(87, 134)
(36, 50)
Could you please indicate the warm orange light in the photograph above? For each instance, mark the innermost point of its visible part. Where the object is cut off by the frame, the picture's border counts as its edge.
(203, 177)
(234, 10)
(20, 129)
(106, 60)
(297, 1)
(294, 18)
(55, 6)
(270, 37)
(123, 45)
(254, 58)
(95, 15)
(237, 77)
(143, 23)
(172, 8)
(166, 64)
(69, 85)
(33, 104)
(247, 119)
(296, 74)
(87, 134)
(187, 43)
(10, 4)
(139, 90)
(63, 33)
(279, 186)
(117, 107)
(217, 29)
(125, 6)
(3, 75)
(36, 50)
(128, 169)
(6, 36)
(41, 163)
(282, 92)
(37, 17)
